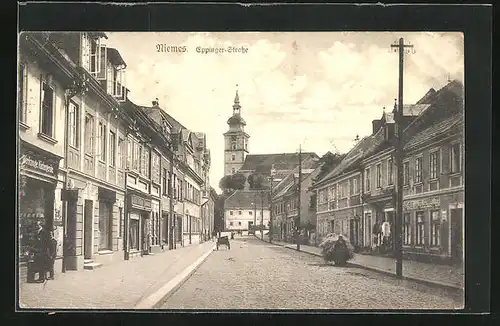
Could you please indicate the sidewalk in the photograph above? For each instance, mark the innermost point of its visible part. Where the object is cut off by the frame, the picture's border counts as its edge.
(122, 285)
(442, 275)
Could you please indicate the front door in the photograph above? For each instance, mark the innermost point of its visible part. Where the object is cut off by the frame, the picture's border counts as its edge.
(456, 234)
(88, 220)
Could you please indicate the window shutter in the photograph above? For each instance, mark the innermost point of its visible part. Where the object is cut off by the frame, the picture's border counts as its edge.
(85, 55)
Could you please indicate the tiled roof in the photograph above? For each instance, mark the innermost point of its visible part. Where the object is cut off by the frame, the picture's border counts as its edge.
(409, 110)
(360, 150)
(244, 198)
(265, 162)
(435, 130)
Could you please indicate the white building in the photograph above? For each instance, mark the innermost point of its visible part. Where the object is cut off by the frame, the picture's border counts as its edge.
(246, 208)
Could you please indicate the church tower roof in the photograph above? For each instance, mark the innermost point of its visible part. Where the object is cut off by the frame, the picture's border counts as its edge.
(236, 118)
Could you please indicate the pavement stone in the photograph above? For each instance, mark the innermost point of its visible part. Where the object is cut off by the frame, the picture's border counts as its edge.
(451, 276)
(120, 285)
(257, 275)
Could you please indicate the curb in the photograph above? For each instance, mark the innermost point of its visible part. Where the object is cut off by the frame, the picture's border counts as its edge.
(448, 287)
(156, 299)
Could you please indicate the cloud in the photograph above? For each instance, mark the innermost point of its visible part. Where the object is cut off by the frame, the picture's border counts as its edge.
(318, 90)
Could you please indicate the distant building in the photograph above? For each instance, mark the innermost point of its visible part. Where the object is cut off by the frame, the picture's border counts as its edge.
(243, 209)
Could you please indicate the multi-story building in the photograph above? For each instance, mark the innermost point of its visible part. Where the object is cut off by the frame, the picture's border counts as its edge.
(358, 197)
(246, 208)
(93, 140)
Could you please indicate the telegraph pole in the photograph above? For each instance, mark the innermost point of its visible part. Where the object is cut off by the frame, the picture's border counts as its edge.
(398, 221)
(271, 209)
(297, 224)
(262, 215)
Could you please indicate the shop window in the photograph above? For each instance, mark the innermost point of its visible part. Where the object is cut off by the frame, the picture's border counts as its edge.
(407, 229)
(22, 92)
(456, 159)
(419, 216)
(74, 125)
(134, 234)
(418, 170)
(433, 164)
(435, 229)
(47, 110)
(406, 173)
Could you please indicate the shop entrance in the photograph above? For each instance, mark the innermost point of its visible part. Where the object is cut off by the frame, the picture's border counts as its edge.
(87, 221)
(456, 234)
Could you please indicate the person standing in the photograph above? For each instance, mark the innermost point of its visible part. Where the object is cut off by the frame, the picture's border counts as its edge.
(52, 252)
(41, 255)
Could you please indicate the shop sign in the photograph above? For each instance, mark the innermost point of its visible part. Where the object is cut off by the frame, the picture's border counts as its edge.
(35, 162)
(140, 203)
(431, 202)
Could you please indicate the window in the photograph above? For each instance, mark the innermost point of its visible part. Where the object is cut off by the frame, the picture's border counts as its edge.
(246, 146)
(233, 157)
(47, 118)
(433, 164)
(164, 182)
(390, 172)
(367, 180)
(435, 229)
(89, 132)
(239, 223)
(231, 223)
(379, 175)
(169, 183)
(134, 234)
(112, 148)
(456, 159)
(230, 212)
(420, 228)
(120, 153)
(22, 92)
(95, 56)
(418, 170)
(407, 229)
(101, 145)
(232, 170)
(239, 212)
(406, 173)
(74, 125)
(355, 188)
(233, 145)
(174, 186)
(250, 212)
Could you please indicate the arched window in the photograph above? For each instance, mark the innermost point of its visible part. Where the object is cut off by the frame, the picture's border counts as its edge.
(233, 157)
(233, 145)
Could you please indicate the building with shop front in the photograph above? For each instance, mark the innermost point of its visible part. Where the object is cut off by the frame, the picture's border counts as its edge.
(357, 198)
(91, 198)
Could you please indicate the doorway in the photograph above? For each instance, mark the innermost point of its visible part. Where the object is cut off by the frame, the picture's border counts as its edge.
(457, 240)
(88, 221)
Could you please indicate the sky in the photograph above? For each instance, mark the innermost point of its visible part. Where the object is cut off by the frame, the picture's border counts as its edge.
(314, 89)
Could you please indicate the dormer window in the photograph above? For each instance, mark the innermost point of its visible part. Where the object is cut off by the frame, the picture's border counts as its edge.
(91, 53)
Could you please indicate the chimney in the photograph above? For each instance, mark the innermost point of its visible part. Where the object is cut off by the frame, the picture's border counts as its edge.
(155, 102)
(376, 126)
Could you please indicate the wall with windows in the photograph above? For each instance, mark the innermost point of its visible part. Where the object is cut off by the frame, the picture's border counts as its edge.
(238, 219)
(41, 110)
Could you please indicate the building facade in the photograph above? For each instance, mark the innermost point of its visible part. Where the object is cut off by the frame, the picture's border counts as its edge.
(357, 198)
(246, 209)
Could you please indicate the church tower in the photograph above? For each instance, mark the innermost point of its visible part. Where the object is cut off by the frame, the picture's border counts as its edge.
(235, 140)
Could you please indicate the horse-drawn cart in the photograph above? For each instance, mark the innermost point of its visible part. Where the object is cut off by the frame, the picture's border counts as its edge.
(223, 241)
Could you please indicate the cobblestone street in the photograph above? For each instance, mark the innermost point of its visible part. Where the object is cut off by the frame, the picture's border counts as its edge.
(256, 275)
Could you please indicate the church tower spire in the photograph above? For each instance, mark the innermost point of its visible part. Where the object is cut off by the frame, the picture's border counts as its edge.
(235, 140)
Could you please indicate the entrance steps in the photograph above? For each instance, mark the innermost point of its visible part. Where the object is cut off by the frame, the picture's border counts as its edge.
(89, 264)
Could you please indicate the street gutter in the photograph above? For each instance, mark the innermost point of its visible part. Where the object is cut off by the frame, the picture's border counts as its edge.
(445, 286)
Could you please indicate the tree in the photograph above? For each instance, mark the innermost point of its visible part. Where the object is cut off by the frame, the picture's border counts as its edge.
(330, 161)
(232, 182)
(257, 181)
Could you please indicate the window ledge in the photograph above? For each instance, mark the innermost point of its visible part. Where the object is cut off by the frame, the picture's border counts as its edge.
(434, 180)
(47, 138)
(416, 184)
(455, 174)
(73, 147)
(23, 125)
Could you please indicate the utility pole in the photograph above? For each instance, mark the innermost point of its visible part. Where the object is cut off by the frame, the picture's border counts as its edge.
(262, 215)
(297, 224)
(398, 221)
(271, 209)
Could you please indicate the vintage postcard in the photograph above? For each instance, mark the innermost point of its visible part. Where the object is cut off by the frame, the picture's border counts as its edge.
(256, 170)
